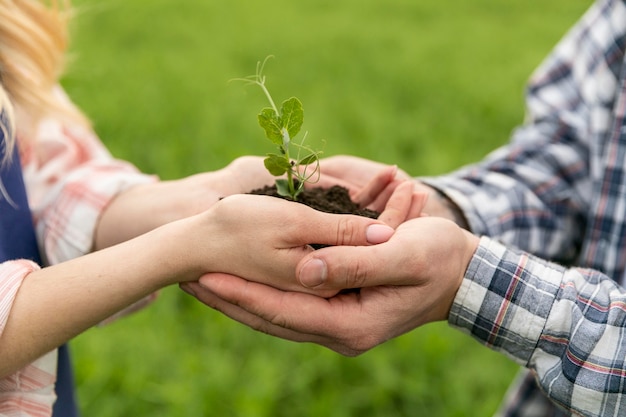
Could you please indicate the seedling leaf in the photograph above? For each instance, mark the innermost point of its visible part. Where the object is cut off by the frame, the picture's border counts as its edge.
(271, 123)
(292, 116)
(276, 165)
(282, 187)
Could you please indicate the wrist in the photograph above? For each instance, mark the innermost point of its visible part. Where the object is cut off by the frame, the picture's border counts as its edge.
(187, 252)
(440, 205)
(468, 249)
(471, 244)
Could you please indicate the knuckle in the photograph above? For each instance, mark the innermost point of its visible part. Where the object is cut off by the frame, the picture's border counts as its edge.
(279, 320)
(346, 230)
(356, 272)
(356, 275)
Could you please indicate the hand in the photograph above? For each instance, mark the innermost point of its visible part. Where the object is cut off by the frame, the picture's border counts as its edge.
(263, 238)
(372, 183)
(241, 176)
(354, 172)
(406, 282)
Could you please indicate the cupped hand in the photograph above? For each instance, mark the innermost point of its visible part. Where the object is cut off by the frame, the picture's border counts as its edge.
(348, 323)
(370, 183)
(263, 238)
(429, 252)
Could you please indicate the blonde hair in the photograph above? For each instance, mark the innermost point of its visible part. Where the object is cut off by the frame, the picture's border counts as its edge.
(33, 44)
(7, 127)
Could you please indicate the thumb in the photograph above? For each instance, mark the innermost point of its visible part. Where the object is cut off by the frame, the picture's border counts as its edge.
(344, 267)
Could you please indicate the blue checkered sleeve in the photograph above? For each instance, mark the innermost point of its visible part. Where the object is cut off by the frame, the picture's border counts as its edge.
(566, 325)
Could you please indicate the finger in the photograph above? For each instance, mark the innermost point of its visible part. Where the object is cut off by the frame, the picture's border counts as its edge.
(327, 181)
(381, 200)
(359, 170)
(398, 206)
(290, 315)
(339, 229)
(368, 194)
(418, 202)
(230, 306)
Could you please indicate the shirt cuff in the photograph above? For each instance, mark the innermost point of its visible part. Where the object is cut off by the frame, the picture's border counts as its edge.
(12, 274)
(505, 299)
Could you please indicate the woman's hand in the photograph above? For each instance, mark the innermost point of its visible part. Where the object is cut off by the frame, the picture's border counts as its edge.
(263, 238)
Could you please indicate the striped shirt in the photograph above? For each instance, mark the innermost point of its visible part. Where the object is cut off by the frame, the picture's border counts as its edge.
(557, 191)
(70, 178)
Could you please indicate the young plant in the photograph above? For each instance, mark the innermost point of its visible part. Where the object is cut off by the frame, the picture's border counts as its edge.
(281, 126)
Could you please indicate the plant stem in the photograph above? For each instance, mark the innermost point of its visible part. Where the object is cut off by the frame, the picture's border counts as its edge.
(292, 189)
(285, 146)
(268, 95)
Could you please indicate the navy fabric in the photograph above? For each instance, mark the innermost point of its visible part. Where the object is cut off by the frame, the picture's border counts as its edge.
(65, 406)
(18, 241)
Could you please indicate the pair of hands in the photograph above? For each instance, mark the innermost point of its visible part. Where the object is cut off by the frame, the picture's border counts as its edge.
(407, 277)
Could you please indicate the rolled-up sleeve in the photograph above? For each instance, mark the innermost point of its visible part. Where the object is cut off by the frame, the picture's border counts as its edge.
(12, 274)
(70, 179)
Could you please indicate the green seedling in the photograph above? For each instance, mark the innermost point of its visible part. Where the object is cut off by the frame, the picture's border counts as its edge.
(281, 126)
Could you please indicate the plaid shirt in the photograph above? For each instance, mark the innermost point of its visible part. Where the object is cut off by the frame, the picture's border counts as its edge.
(557, 191)
(70, 178)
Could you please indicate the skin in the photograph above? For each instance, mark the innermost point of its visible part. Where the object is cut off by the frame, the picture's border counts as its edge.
(406, 282)
(360, 176)
(147, 240)
(145, 207)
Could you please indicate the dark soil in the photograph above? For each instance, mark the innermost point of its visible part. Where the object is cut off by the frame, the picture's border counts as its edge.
(329, 200)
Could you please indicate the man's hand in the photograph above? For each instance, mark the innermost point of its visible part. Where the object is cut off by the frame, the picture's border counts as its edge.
(401, 284)
(371, 184)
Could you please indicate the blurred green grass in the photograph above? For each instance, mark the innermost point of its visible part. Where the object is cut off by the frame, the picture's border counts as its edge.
(428, 85)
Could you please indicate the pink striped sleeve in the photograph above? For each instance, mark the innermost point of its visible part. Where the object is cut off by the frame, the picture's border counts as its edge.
(70, 179)
(12, 273)
(28, 392)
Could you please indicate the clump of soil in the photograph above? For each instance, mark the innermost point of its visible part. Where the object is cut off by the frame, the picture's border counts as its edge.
(335, 199)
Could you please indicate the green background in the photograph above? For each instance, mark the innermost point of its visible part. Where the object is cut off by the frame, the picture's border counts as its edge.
(429, 85)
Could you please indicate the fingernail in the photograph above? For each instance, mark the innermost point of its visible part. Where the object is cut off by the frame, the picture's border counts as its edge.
(313, 273)
(187, 288)
(378, 233)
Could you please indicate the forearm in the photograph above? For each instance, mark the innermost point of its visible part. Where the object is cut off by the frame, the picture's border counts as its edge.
(56, 303)
(524, 202)
(145, 207)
